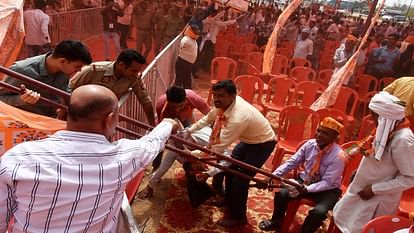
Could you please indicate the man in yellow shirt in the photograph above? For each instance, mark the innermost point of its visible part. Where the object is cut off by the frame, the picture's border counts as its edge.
(403, 89)
(241, 121)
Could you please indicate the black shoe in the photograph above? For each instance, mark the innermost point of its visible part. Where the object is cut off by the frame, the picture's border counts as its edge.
(228, 222)
(269, 225)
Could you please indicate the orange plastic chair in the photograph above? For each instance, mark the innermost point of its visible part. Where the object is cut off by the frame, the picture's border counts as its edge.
(262, 49)
(308, 92)
(301, 73)
(386, 224)
(365, 84)
(326, 63)
(221, 68)
(337, 115)
(297, 61)
(296, 123)
(280, 64)
(250, 89)
(288, 45)
(281, 93)
(256, 59)
(367, 126)
(385, 82)
(406, 207)
(132, 187)
(324, 76)
(285, 52)
(346, 102)
(347, 174)
(365, 101)
(223, 49)
(244, 67)
(245, 49)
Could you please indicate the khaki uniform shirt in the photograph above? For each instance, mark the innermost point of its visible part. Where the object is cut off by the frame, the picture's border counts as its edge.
(173, 26)
(143, 19)
(102, 73)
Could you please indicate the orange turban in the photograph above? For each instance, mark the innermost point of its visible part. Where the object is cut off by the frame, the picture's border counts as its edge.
(351, 38)
(330, 123)
(409, 39)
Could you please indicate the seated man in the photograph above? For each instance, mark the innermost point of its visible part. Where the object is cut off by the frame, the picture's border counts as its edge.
(73, 181)
(177, 103)
(321, 179)
(118, 76)
(53, 69)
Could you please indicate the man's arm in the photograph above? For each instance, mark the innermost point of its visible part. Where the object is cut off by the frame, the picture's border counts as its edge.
(45, 27)
(203, 122)
(198, 102)
(9, 97)
(144, 99)
(338, 62)
(297, 159)
(81, 78)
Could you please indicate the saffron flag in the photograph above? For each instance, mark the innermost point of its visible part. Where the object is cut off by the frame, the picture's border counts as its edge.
(17, 126)
(271, 45)
(329, 96)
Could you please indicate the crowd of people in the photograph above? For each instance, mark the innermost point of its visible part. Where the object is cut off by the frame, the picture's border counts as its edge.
(75, 178)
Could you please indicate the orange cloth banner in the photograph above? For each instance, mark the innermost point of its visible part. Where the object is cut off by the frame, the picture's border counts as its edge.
(329, 96)
(18, 126)
(271, 45)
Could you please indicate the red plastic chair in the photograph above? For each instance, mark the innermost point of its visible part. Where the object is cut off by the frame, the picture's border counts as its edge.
(132, 187)
(365, 101)
(296, 123)
(301, 73)
(280, 64)
(367, 126)
(346, 102)
(299, 62)
(324, 76)
(326, 63)
(406, 207)
(262, 49)
(386, 224)
(385, 82)
(223, 49)
(337, 115)
(281, 93)
(347, 174)
(288, 45)
(308, 92)
(256, 59)
(245, 49)
(365, 84)
(221, 68)
(285, 52)
(251, 89)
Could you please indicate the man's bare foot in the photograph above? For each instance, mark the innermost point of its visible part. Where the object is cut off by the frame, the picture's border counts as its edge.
(145, 193)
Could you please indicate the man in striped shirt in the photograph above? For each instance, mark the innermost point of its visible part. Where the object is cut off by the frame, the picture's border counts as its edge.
(74, 180)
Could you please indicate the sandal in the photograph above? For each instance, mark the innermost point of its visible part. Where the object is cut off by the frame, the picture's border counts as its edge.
(268, 225)
(145, 193)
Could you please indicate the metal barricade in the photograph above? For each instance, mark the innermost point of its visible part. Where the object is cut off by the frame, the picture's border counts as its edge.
(79, 24)
(158, 76)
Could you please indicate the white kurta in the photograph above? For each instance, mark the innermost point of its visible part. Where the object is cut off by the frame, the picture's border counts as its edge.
(389, 177)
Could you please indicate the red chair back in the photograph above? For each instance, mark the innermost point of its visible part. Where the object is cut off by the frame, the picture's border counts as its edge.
(288, 45)
(308, 92)
(132, 187)
(351, 167)
(337, 115)
(280, 64)
(250, 88)
(223, 68)
(386, 224)
(385, 82)
(297, 123)
(285, 52)
(346, 97)
(299, 62)
(366, 83)
(223, 48)
(367, 126)
(281, 91)
(247, 48)
(245, 68)
(256, 59)
(325, 76)
(367, 98)
(301, 73)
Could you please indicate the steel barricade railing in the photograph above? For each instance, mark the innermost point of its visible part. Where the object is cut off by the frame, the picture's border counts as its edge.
(79, 24)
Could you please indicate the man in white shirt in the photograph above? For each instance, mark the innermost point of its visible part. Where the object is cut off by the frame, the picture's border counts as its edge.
(73, 181)
(304, 45)
(37, 37)
(239, 120)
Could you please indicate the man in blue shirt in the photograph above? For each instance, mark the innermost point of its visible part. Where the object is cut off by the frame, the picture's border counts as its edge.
(383, 59)
(53, 69)
(320, 180)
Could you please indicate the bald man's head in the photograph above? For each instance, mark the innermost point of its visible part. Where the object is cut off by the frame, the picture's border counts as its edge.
(91, 102)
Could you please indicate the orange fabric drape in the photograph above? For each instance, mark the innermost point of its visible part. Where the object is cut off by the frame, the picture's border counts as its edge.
(271, 45)
(329, 96)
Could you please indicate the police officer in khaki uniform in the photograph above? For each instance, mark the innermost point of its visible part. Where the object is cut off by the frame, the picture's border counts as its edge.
(143, 23)
(118, 76)
(159, 26)
(173, 25)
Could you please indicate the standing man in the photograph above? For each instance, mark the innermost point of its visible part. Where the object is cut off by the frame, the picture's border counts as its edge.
(188, 11)
(304, 45)
(118, 76)
(53, 68)
(143, 23)
(384, 174)
(159, 26)
(36, 22)
(124, 22)
(383, 60)
(238, 120)
(110, 16)
(320, 180)
(177, 103)
(74, 180)
(173, 26)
